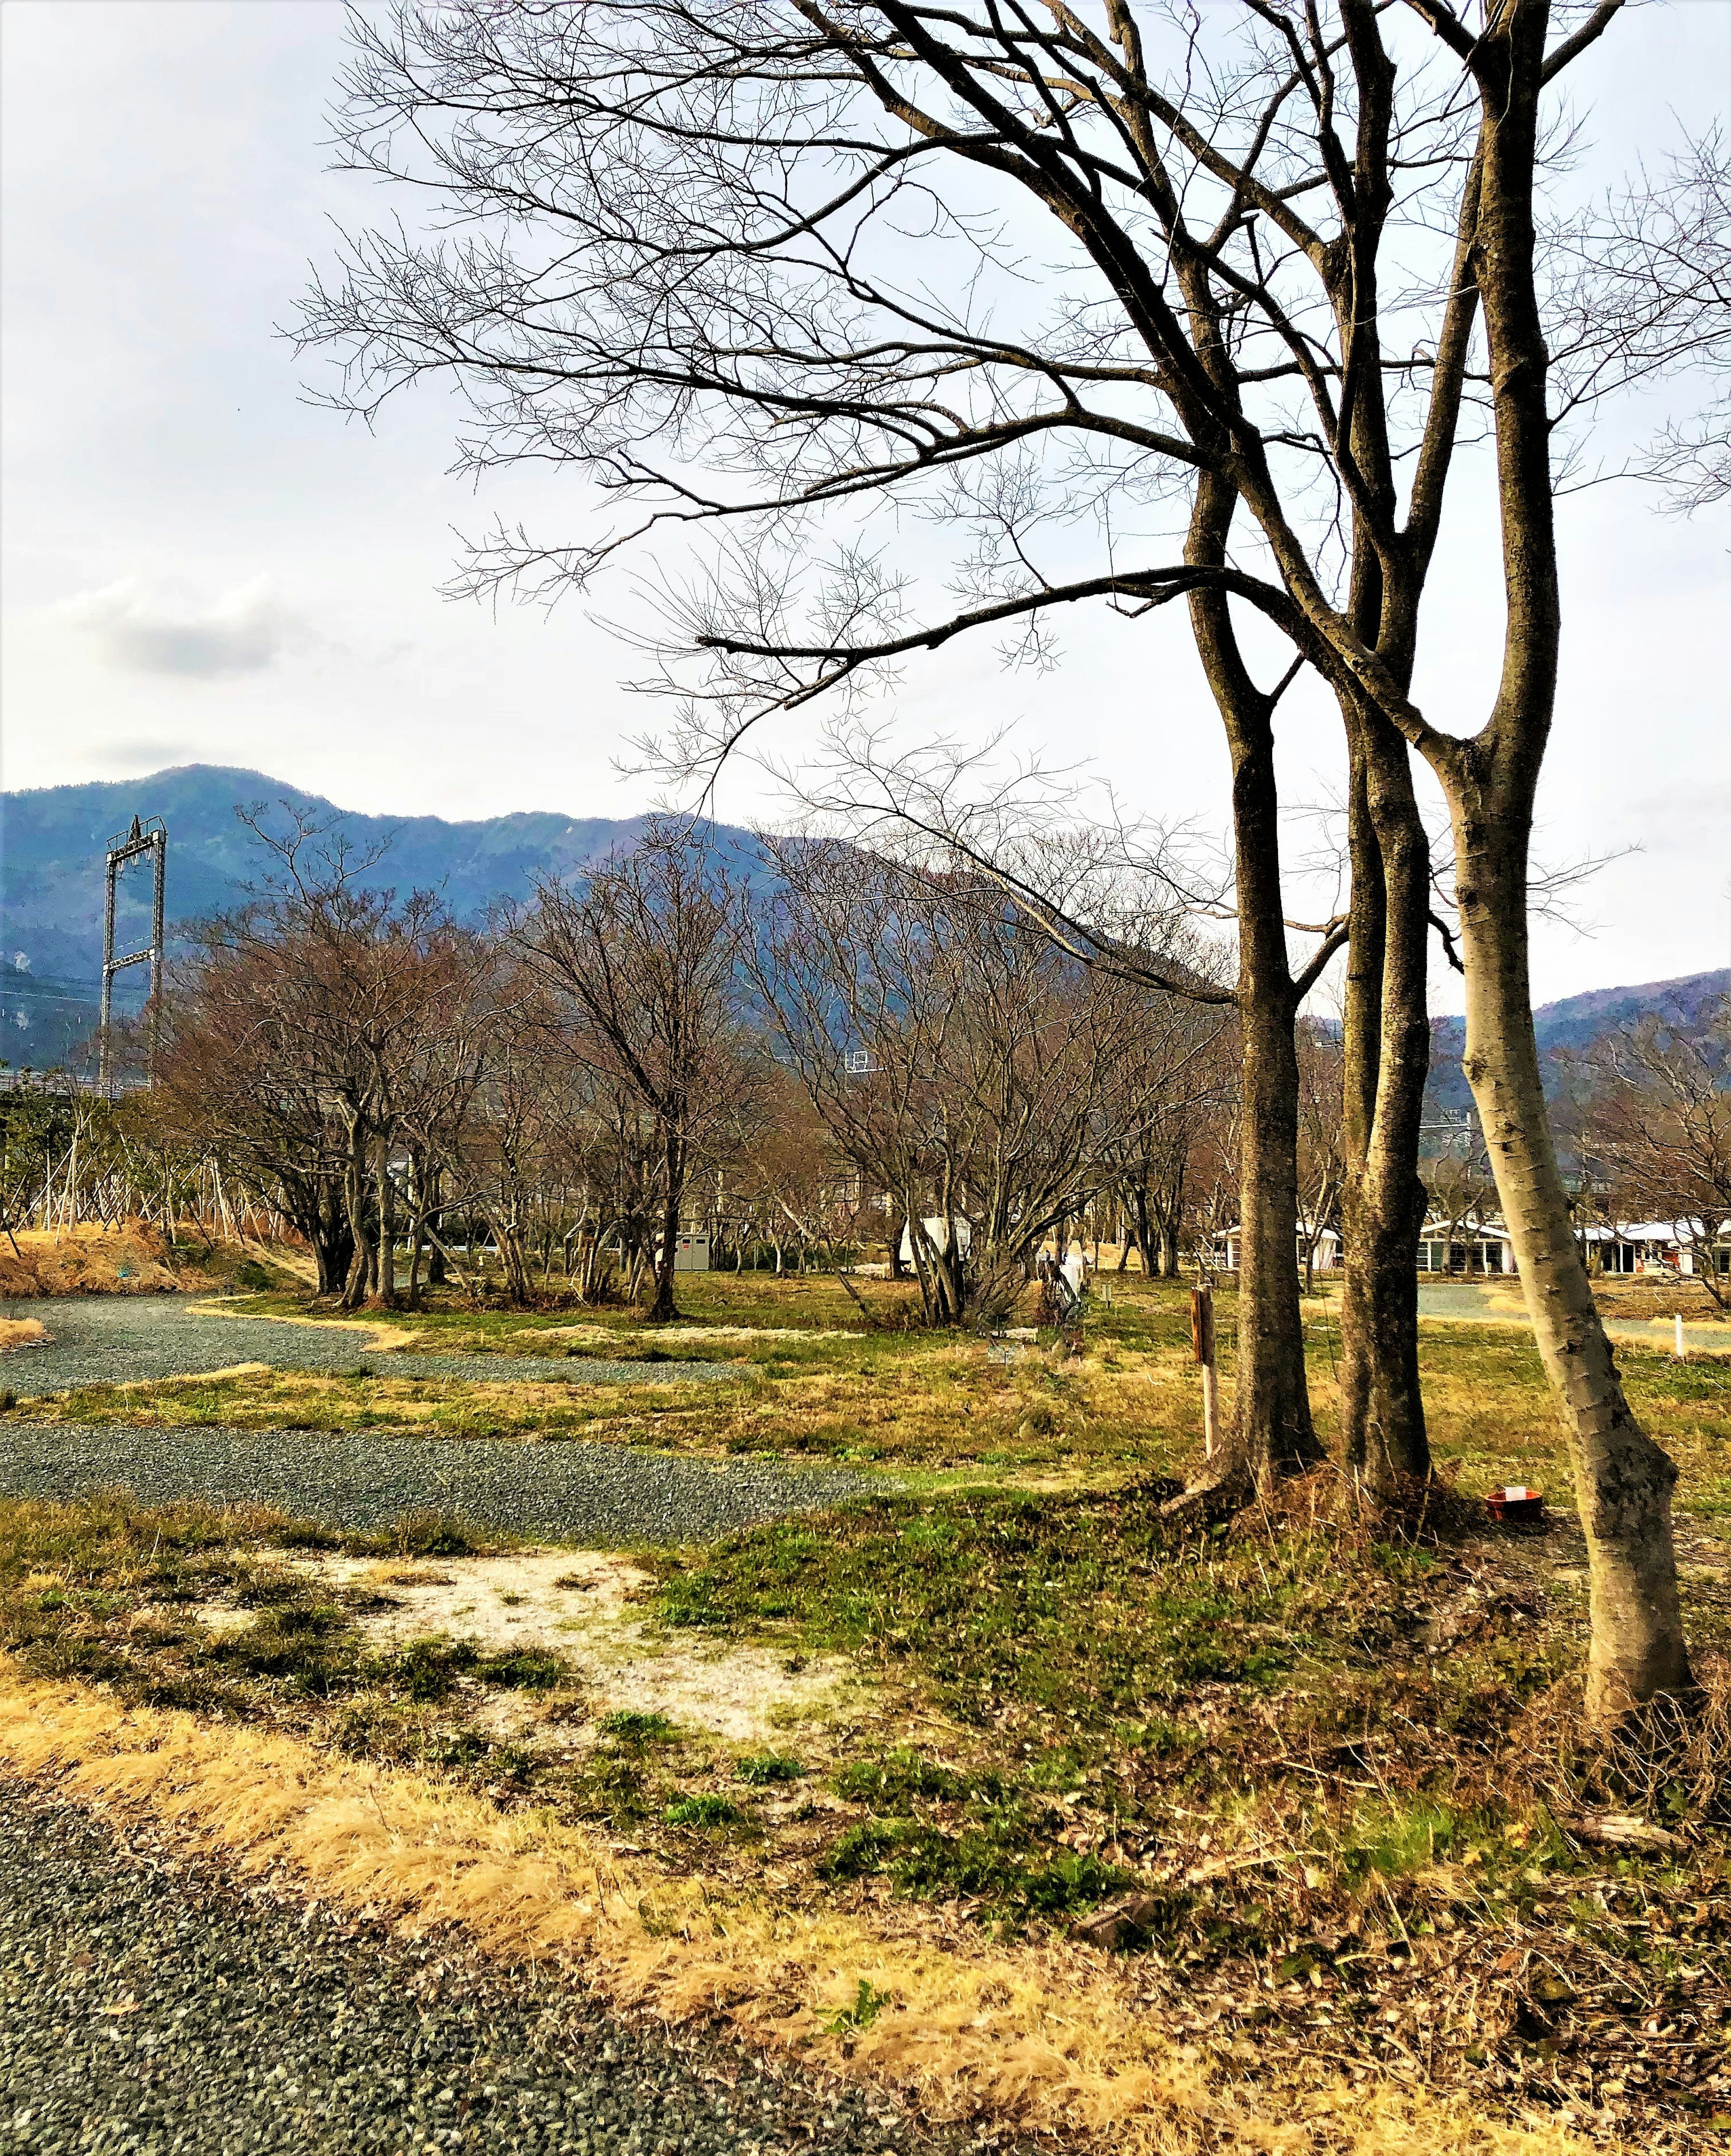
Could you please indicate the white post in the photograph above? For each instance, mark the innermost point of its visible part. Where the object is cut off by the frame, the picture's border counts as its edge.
(1682, 1356)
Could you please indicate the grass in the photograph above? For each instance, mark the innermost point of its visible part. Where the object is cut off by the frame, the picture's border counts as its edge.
(813, 1385)
(1066, 2053)
(1329, 1776)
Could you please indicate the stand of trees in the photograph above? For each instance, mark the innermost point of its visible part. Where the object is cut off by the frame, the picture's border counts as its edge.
(685, 264)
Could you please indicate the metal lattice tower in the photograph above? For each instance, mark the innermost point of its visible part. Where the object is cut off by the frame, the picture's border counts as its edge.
(150, 837)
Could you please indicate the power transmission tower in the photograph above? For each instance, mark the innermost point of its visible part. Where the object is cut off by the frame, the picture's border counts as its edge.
(150, 837)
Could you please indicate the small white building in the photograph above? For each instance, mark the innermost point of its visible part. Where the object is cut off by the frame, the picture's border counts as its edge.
(1476, 1246)
(1660, 1246)
(1224, 1250)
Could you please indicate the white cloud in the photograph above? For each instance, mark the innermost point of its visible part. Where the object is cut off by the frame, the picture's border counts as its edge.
(242, 632)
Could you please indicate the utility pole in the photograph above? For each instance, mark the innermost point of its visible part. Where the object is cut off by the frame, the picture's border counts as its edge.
(149, 837)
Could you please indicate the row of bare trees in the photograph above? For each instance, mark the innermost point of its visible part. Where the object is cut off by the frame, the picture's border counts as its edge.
(856, 1051)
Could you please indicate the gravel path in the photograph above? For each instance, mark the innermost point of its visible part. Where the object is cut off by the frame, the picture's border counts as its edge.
(147, 2006)
(562, 1491)
(123, 1339)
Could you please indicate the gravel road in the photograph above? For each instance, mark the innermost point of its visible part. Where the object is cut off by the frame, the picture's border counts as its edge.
(148, 2006)
(563, 1490)
(121, 1339)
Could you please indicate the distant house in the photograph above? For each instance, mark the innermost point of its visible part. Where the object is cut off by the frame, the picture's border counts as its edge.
(1486, 1248)
(1660, 1246)
(1474, 1246)
(1224, 1250)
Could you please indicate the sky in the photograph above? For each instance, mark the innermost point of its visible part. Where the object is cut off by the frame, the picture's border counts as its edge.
(199, 566)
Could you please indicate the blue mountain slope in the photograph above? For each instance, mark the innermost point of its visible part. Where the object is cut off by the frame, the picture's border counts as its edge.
(53, 839)
(1576, 1022)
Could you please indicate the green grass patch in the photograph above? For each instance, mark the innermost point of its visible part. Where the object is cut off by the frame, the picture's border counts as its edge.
(705, 1809)
(759, 1769)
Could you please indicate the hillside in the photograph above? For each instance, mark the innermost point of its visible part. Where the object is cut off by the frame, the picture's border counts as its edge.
(51, 847)
(53, 839)
(1576, 1022)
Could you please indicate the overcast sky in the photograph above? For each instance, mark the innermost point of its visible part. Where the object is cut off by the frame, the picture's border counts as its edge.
(199, 567)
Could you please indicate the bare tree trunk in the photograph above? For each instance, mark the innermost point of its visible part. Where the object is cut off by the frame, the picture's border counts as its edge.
(1387, 1043)
(664, 1308)
(361, 1265)
(1623, 1480)
(387, 1229)
(1272, 1433)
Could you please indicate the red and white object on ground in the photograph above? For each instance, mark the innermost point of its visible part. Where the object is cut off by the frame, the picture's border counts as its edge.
(1514, 1500)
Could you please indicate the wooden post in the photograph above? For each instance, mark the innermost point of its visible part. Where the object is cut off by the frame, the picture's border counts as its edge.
(1202, 1344)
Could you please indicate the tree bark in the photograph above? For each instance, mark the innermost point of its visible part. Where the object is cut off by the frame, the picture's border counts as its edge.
(1272, 1432)
(387, 1229)
(1623, 1479)
(664, 1308)
(356, 1194)
(1387, 1059)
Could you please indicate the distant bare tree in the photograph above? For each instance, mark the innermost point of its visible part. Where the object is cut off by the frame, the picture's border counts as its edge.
(1321, 1138)
(956, 1059)
(1651, 296)
(325, 1006)
(641, 958)
(1162, 1095)
(1656, 1117)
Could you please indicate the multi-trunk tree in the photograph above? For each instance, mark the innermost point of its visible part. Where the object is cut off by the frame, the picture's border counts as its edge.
(1159, 307)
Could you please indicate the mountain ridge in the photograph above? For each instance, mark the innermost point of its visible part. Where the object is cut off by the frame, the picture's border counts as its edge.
(53, 838)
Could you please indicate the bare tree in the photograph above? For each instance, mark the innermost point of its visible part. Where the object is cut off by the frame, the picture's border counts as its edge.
(251, 1093)
(1651, 294)
(1322, 1156)
(1656, 1118)
(641, 958)
(682, 262)
(957, 1059)
(339, 1005)
(1164, 1095)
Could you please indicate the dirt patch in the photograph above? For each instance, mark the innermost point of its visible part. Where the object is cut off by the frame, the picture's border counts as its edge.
(16, 1332)
(130, 1260)
(585, 1606)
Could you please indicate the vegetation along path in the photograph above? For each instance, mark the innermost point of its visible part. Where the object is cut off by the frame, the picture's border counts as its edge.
(145, 2004)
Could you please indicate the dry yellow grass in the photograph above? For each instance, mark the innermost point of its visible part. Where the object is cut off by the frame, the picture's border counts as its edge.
(21, 1333)
(1048, 2037)
(91, 1259)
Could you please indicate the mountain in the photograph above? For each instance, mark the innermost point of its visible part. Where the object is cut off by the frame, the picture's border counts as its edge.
(53, 840)
(1576, 1022)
